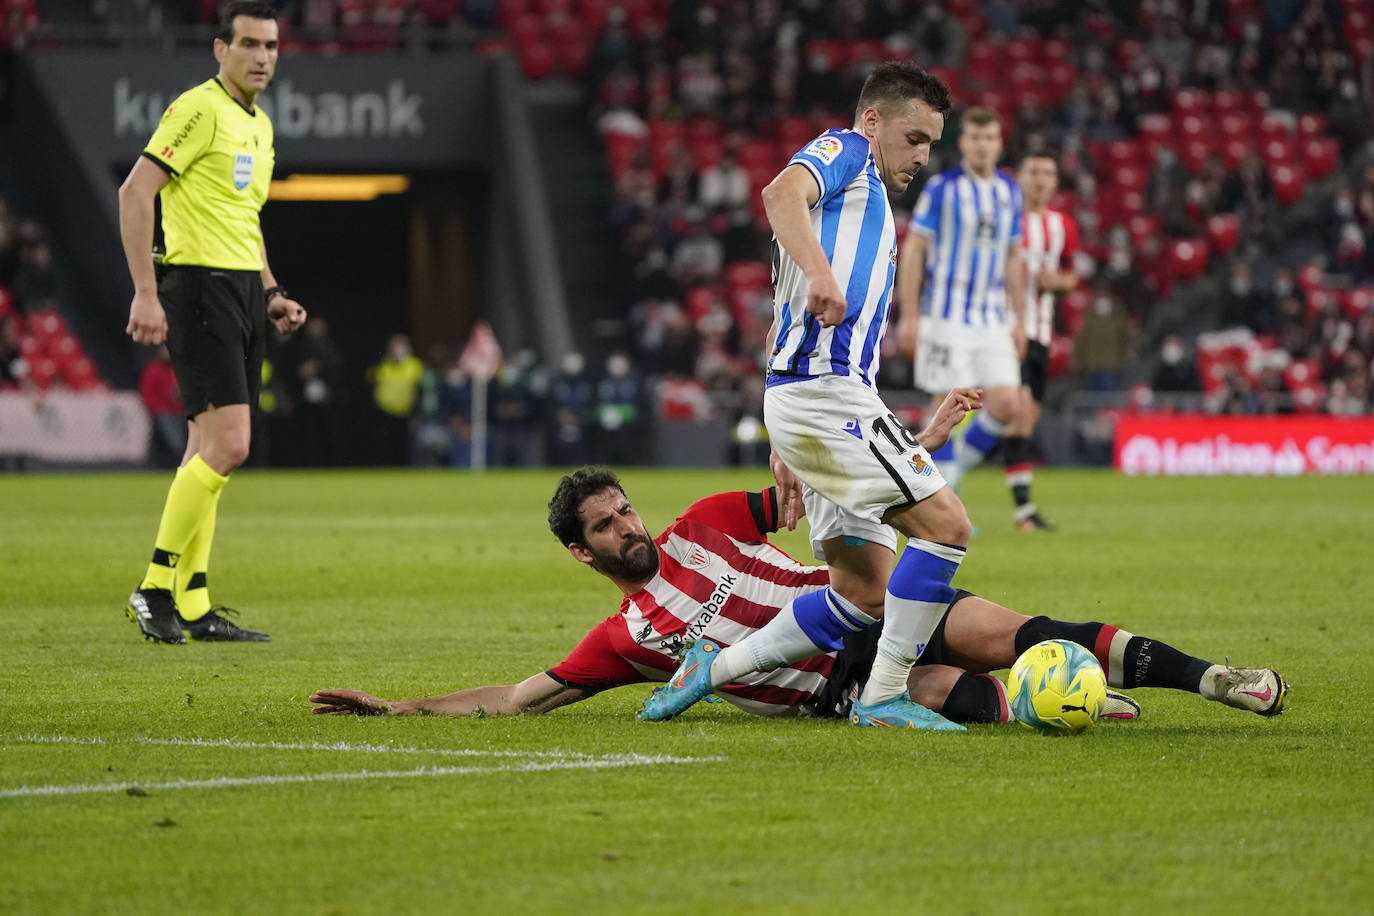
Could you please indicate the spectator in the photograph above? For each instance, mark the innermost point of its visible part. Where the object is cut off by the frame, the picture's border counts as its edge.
(618, 400)
(698, 258)
(1103, 345)
(395, 389)
(1244, 306)
(570, 397)
(1176, 373)
(319, 392)
(515, 397)
(157, 387)
(456, 393)
(13, 369)
(724, 185)
(35, 282)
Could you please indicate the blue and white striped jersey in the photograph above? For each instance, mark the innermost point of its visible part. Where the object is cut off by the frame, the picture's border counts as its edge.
(971, 224)
(853, 221)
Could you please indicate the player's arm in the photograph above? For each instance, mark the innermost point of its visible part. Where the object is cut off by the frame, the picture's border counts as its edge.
(745, 516)
(787, 201)
(537, 694)
(1065, 278)
(285, 313)
(947, 416)
(147, 320)
(1016, 292)
(911, 276)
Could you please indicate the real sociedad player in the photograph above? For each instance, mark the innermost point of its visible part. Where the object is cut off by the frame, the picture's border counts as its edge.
(961, 268)
(858, 471)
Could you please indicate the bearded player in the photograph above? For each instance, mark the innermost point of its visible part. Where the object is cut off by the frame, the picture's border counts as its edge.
(713, 577)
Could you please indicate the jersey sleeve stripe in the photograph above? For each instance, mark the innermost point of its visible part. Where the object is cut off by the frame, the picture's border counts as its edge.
(160, 164)
(815, 175)
(760, 513)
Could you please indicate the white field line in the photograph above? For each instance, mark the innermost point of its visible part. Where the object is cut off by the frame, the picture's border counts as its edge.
(535, 761)
(309, 746)
(624, 760)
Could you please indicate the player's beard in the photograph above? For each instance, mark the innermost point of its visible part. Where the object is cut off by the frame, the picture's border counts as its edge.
(634, 562)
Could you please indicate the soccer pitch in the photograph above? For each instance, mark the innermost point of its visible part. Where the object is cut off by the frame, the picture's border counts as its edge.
(144, 778)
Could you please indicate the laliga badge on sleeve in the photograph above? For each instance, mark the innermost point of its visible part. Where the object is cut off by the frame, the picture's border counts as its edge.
(825, 149)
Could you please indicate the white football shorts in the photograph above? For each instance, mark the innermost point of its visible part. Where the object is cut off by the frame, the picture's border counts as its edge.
(854, 457)
(951, 355)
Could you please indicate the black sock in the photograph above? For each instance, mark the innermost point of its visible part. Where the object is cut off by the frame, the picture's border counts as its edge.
(1016, 451)
(1136, 661)
(973, 698)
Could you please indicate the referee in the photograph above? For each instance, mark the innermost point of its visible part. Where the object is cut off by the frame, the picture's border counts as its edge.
(210, 160)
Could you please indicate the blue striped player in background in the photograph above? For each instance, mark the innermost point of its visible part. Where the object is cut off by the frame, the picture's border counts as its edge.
(961, 289)
(838, 450)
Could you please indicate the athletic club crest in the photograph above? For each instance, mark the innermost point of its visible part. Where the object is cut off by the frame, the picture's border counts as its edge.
(243, 170)
(696, 558)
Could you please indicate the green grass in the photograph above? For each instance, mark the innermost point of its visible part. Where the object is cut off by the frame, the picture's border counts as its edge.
(413, 584)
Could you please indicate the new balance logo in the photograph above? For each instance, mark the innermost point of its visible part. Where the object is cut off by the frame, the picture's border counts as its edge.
(853, 428)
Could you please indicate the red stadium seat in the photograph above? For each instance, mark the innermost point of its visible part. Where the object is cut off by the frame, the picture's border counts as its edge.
(548, 9)
(1192, 101)
(560, 30)
(761, 154)
(1236, 126)
(666, 131)
(525, 29)
(573, 56)
(511, 10)
(1129, 178)
(1288, 183)
(1054, 49)
(1223, 232)
(1230, 101)
(1155, 126)
(698, 129)
(748, 275)
(594, 14)
(1301, 372)
(984, 62)
(1022, 50)
(536, 59)
(1234, 151)
(32, 346)
(1309, 399)
(1279, 151)
(1321, 155)
(706, 153)
(701, 299)
(1124, 153)
(794, 132)
(1309, 277)
(1142, 227)
(47, 325)
(1187, 258)
(1060, 78)
(1061, 355)
(1311, 124)
(78, 373)
(1358, 302)
(1193, 154)
(42, 371)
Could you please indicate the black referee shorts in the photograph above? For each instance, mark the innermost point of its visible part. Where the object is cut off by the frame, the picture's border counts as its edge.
(1035, 369)
(854, 662)
(216, 334)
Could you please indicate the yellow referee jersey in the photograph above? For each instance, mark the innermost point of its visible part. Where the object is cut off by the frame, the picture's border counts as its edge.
(220, 158)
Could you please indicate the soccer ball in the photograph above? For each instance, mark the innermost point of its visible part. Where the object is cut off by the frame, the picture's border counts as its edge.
(1057, 687)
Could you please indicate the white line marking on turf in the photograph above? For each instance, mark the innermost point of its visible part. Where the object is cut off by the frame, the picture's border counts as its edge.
(536, 761)
(623, 760)
(311, 746)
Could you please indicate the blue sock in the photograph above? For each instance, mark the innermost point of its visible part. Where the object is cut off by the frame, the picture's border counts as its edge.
(918, 593)
(808, 625)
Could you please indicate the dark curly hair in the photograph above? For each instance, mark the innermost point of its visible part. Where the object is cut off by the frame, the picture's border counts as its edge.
(564, 521)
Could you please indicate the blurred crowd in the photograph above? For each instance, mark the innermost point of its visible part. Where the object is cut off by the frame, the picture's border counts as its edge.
(1216, 156)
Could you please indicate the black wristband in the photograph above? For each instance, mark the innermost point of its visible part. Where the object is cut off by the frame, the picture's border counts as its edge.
(278, 290)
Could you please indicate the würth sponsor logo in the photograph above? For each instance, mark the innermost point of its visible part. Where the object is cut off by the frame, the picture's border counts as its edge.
(711, 606)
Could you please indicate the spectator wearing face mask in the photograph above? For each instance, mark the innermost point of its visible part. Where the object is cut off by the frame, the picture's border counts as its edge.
(1176, 373)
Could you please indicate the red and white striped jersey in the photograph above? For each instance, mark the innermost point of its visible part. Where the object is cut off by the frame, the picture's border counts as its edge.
(720, 579)
(1050, 240)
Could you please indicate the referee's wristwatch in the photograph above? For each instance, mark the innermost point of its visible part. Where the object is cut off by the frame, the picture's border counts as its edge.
(273, 292)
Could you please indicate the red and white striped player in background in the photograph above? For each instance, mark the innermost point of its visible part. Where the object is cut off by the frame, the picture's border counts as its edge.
(1049, 239)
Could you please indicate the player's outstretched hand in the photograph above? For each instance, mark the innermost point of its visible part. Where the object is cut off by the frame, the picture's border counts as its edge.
(335, 702)
(147, 320)
(286, 315)
(826, 301)
(791, 509)
(948, 415)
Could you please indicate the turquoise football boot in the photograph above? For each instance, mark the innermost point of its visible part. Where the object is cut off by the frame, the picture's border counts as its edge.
(901, 712)
(690, 683)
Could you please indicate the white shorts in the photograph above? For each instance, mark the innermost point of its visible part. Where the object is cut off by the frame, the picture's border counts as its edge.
(852, 454)
(954, 355)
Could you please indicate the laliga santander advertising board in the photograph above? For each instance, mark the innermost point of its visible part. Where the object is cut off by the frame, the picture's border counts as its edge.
(1200, 446)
